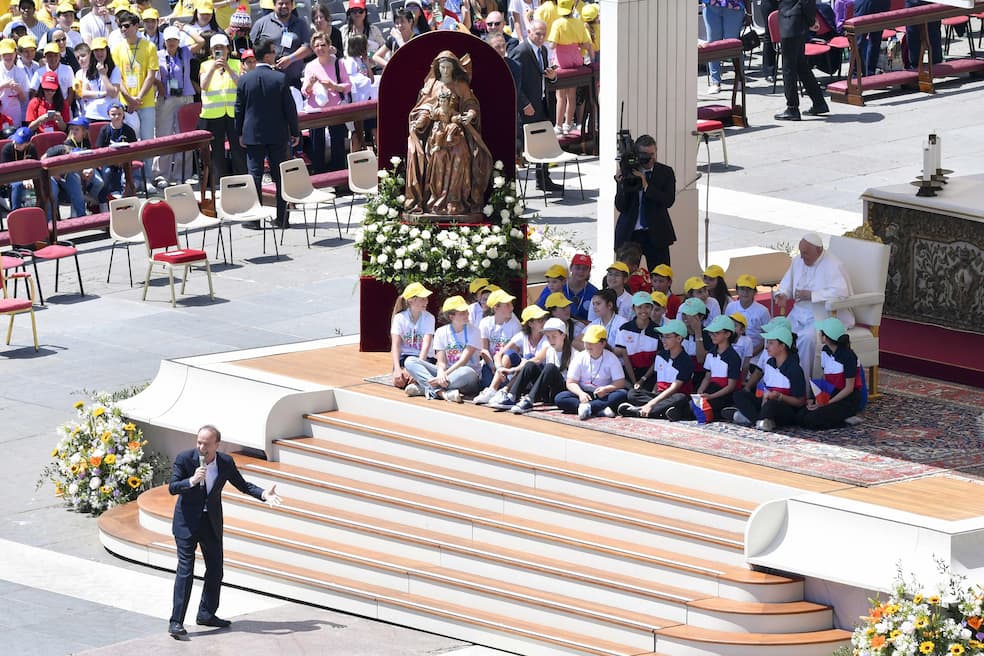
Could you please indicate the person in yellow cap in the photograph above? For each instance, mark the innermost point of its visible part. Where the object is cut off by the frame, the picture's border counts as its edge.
(456, 346)
(595, 379)
(716, 286)
(27, 47)
(47, 12)
(521, 349)
(411, 330)
(755, 314)
(559, 307)
(203, 18)
(65, 21)
(479, 289)
(659, 308)
(589, 14)
(695, 287)
(13, 83)
(496, 330)
(616, 276)
(556, 277)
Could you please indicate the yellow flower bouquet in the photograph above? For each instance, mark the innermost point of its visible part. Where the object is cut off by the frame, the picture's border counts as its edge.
(100, 460)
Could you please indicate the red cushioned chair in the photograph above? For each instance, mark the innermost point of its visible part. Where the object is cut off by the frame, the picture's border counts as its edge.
(951, 24)
(160, 230)
(11, 307)
(813, 48)
(11, 261)
(29, 235)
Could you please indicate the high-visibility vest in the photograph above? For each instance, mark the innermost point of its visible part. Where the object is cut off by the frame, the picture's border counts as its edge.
(219, 97)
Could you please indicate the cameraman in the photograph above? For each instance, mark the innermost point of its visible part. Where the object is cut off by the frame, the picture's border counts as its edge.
(642, 201)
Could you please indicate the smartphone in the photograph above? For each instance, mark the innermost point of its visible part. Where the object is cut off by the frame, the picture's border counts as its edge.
(52, 113)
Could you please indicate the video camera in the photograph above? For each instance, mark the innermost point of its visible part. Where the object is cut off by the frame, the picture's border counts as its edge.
(628, 156)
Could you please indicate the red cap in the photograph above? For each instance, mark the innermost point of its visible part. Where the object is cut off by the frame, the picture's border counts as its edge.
(49, 80)
(247, 54)
(357, 4)
(581, 259)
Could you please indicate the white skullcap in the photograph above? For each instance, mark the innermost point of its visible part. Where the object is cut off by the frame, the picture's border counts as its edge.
(813, 238)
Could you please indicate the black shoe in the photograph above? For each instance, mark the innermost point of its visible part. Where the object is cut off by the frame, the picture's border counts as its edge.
(674, 413)
(628, 410)
(212, 620)
(818, 109)
(728, 414)
(281, 224)
(791, 114)
(252, 225)
(176, 630)
(549, 185)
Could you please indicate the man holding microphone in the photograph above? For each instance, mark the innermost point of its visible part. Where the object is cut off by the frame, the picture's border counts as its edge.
(197, 479)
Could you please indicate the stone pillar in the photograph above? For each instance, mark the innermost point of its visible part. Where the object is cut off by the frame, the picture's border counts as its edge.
(649, 61)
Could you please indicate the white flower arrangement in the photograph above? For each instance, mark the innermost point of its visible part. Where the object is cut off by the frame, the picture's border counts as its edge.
(100, 459)
(546, 242)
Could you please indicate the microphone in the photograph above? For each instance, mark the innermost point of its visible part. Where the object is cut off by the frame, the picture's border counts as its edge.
(201, 463)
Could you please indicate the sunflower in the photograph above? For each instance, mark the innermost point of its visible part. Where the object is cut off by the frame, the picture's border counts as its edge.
(956, 650)
(130, 427)
(106, 436)
(921, 622)
(79, 405)
(133, 482)
(104, 489)
(918, 599)
(926, 647)
(99, 412)
(110, 459)
(74, 469)
(935, 599)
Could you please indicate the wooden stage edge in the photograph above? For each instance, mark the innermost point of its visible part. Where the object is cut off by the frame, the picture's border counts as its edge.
(941, 496)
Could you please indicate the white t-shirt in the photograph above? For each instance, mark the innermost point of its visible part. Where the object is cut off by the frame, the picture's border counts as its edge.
(611, 327)
(520, 7)
(9, 103)
(66, 77)
(743, 347)
(521, 342)
(412, 332)
(554, 357)
(475, 313)
(591, 373)
(713, 310)
(453, 344)
(757, 316)
(98, 108)
(362, 88)
(498, 335)
(623, 307)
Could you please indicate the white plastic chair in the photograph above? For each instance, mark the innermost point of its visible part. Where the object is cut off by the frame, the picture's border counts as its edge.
(540, 146)
(124, 228)
(362, 177)
(238, 203)
(297, 190)
(189, 216)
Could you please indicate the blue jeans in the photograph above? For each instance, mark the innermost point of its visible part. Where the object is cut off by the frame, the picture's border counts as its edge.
(462, 378)
(112, 177)
(17, 192)
(721, 23)
(870, 44)
(568, 402)
(148, 127)
(71, 184)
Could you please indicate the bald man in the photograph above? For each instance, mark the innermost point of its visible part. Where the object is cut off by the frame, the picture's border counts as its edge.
(814, 277)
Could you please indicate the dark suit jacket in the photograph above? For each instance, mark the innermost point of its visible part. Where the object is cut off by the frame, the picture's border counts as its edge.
(796, 17)
(531, 78)
(660, 195)
(265, 109)
(191, 498)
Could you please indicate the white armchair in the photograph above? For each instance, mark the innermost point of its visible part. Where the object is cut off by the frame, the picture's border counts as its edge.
(866, 263)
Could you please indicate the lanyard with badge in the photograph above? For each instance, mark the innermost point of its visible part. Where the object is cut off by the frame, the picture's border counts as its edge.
(174, 75)
(286, 40)
(132, 70)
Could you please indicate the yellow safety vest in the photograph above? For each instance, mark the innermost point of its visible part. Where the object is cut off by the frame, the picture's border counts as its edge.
(219, 97)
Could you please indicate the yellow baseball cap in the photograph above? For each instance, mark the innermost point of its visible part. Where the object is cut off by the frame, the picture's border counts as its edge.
(27, 41)
(477, 285)
(694, 282)
(739, 318)
(619, 266)
(533, 312)
(663, 270)
(415, 289)
(455, 304)
(204, 7)
(7, 47)
(747, 280)
(65, 8)
(594, 334)
(714, 271)
(52, 47)
(98, 43)
(557, 299)
(150, 14)
(659, 298)
(556, 271)
(589, 13)
(499, 296)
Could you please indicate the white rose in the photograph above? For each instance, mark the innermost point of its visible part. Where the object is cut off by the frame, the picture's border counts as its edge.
(397, 264)
(505, 215)
(516, 234)
(404, 228)
(423, 267)
(382, 175)
(493, 253)
(486, 263)
(382, 209)
(395, 161)
(425, 235)
(73, 489)
(485, 230)
(400, 251)
(510, 200)
(380, 239)
(465, 230)
(498, 182)
(487, 210)
(445, 264)
(392, 214)
(94, 483)
(414, 232)
(520, 208)
(499, 165)
(512, 264)
(461, 263)
(536, 237)
(372, 227)
(480, 249)
(383, 258)
(468, 252)
(401, 198)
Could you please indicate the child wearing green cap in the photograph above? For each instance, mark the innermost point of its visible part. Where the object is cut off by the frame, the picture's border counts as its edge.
(637, 342)
(693, 314)
(674, 374)
(784, 383)
(723, 366)
(841, 371)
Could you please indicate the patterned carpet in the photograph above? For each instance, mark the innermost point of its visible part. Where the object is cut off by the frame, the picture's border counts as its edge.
(916, 428)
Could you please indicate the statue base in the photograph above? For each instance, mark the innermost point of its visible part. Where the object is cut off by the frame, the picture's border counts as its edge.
(460, 219)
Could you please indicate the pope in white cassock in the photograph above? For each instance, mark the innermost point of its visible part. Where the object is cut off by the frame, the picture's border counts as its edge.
(814, 277)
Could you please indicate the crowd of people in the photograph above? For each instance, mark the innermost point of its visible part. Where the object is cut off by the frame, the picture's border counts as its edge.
(69, 63)
(633, 348)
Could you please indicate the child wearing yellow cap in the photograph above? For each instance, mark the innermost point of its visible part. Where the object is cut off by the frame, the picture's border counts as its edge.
(556, 277)
(559, 307)
(756, 314)
(520, 350)
(695, 287)
(479, 288)
(595, 379)
(454, 373)
(411, 330)
(495, 331)
(616, 276)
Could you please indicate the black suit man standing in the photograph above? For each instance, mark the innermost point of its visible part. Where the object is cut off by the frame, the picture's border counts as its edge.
(531, 97)
(796, 19)
(644, 209)
(266, 117)
(197, 479)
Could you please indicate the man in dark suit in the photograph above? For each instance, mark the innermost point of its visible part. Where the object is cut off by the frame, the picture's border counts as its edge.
(266, 117)
(197, 479)
(643, 208)
(796, 19)
(495, 23)
(537, 76)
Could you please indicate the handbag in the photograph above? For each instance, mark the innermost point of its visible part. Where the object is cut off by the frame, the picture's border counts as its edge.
(750, 39)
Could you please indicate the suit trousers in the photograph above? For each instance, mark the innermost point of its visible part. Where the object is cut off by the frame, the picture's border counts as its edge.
(795, 69)
(274, 154)
(655, 255)
(211, 545)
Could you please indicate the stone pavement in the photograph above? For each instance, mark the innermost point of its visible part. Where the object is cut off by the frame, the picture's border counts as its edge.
(783, 179)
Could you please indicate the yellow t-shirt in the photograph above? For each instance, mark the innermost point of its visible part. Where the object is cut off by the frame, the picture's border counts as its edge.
(135, 64)
(547, 12)
(567, 30)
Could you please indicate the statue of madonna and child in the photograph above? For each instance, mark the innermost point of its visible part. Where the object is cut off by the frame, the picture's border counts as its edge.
(448, 163)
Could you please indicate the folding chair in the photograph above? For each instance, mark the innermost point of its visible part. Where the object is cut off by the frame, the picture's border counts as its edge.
(540, 146)
(161, 234)
(29, 235)
(11, 307)
(362, 177)
(297, 190)
(124, 228)
(188, 215)
(238, 203)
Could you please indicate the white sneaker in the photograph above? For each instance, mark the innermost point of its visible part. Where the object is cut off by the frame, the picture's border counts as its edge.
(453, 396)
(524, 406)
(413, 389)
(566, 128)
(714, 88)
(498, 397)
(853, 421)
(584, 411)
(558, 130)
(741, 419)
(608, 412)
(484, 396)
(766, 425)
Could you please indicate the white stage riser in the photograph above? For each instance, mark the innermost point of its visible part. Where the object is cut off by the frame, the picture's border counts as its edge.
(761, 623)
(674, 647)
(420, 415)
(462, 525)
(489, 499)
(528, 477)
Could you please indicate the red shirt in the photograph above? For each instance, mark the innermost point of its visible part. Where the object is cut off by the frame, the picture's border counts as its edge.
(39, 107)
